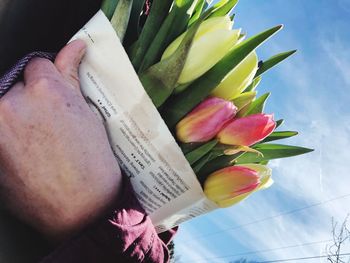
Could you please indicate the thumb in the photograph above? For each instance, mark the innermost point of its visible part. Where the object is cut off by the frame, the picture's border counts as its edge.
(68, 60)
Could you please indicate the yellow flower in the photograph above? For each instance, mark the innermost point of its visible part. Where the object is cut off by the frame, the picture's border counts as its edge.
(231, 185)
(211, 43)
(238, 79)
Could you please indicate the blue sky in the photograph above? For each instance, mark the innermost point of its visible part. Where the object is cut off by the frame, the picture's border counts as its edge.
(311, 91)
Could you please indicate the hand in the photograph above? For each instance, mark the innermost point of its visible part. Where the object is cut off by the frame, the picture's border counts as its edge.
(58, 170)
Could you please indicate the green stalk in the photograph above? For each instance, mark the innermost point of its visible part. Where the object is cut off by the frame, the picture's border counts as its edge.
(159, 11)
(108, 7)
(121, 16)
(174, 24)
(134, 28)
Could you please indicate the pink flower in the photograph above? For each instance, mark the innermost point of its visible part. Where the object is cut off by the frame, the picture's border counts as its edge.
(247, 130)
(230, 182)
(205, 121)
(230, 185)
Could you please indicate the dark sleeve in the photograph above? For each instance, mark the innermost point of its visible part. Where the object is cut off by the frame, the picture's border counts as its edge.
(27, 26)
(127, 236)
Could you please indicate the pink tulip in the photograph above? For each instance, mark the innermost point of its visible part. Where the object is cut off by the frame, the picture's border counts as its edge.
(231, 182)
(247, 130)
(205, 121)
(231, 185)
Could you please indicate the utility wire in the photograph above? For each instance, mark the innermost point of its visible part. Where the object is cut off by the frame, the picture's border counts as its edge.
(267, 218)
(297, 259)
(267, 250)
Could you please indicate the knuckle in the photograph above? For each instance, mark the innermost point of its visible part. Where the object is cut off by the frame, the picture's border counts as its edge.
(40, 83)
(47, 88)
(34, 64)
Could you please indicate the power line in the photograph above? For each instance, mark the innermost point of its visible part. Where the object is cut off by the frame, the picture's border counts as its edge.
(268, 218)
(297, 259)
(267, 250)
(277, 248)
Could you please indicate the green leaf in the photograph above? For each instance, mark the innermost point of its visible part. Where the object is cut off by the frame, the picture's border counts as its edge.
(242, 112)
(278, 135)
(201, 163)
(108, 7)
(174, 24)
(159, 11)
(264, 162)
(121, 16)
(225, 8)
(214, 164)
(198, 153)
(133, 31)
(160, 80)
(271, 151)
(244, 99)
(207, 4)
(258, 105)
(198, 10)
(273, 61)
(279, 123)
(180, 105)
(189, 147)
(253, 85)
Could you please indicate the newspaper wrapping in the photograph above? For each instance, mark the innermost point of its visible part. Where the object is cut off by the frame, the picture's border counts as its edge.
(163, 180)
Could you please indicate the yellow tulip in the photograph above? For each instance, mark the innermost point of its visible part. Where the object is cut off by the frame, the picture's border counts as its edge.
(211, 43)
(231, 185)
(238, 79)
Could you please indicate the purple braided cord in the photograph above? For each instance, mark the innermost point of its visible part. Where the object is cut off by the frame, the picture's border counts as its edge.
(12, 75)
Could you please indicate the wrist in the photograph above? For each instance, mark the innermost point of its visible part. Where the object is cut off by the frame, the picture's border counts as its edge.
(78, 211)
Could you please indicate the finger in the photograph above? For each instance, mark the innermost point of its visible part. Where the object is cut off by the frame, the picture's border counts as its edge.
(37, 69)
(68, 60)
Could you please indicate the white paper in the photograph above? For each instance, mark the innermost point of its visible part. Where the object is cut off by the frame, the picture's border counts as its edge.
(162, 179)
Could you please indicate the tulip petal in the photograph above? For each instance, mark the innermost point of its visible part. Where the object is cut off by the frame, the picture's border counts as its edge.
(238, 79)
(263, 171)
(206, 52)
(265, 181)
(230, 182)
(209, 25)
(248, 130)
(205, 121)
(232, 201)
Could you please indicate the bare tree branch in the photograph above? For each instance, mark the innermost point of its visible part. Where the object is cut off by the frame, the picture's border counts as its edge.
(341, 235)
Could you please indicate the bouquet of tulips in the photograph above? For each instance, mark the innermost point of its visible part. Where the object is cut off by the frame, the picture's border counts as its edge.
(202, 76)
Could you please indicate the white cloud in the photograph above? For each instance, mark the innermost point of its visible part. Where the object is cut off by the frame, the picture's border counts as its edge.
(339, 54)
(318, 108)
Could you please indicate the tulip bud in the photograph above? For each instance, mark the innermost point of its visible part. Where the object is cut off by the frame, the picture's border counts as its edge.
(264, 174)
(247, 130)
(211, 43)
(238, 79)
(230, 182)
(205, 121)
(221, 186)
